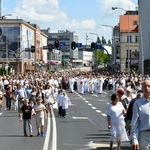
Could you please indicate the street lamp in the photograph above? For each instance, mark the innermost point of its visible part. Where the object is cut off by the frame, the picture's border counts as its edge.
(112, 31)
(6, 45)
(114, 8)
(96, 50)
(4, 16)
(113, 50)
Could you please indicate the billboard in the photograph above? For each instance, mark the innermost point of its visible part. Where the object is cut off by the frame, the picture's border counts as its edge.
(9, 41)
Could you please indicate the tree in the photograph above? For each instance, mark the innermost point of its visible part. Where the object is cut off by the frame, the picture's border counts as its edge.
(103, 40)
(100, 57)
(109, 42)
(98, 40)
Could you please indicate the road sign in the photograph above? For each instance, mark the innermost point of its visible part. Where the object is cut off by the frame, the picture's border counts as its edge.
(78, 44)
(45, 47)
(27, 49)
(99, 46)
(62, 43)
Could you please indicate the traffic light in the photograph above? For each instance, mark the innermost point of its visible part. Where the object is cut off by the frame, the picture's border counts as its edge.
(73, 45)
(32, 49)
(56, 44)
(50, 47)
(93, 46)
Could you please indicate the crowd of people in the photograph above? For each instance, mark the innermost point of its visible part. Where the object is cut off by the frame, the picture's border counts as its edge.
(127, 114)
(33, 94)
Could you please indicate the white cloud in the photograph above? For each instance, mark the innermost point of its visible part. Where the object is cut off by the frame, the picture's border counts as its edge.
(84, 24)
(47, 13)
(40, 10)
(105, 5)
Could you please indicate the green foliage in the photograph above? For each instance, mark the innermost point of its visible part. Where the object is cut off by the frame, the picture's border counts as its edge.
(98, 40)
(100, 57)
(103, 40)
(109, 42)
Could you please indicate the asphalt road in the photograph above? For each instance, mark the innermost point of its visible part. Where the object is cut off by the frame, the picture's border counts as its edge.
(84, 128)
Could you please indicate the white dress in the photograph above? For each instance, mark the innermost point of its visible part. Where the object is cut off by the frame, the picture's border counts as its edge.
(117, 130)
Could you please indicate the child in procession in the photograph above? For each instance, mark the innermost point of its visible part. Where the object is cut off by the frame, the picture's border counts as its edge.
(40, 115)
(25, 116)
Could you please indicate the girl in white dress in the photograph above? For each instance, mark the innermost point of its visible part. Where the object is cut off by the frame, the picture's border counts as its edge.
(116, 123)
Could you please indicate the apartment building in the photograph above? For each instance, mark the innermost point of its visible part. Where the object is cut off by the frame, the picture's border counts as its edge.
(126, 42)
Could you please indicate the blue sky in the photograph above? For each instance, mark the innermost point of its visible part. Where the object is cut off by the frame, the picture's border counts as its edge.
(82, 16)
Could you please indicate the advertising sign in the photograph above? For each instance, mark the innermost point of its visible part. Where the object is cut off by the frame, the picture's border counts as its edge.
(9, 41)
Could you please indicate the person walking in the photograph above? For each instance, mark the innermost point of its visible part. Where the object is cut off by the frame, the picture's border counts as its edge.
(140, 123)
(40, 115)
(64, 103)
(20, 93)
(116, 123)
(122, 98)
(9, 96)
(32, 96)
(1, 98)
(25, 116)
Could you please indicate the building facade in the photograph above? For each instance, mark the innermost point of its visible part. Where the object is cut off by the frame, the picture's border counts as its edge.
(126, 42)
(144, 28)
(65, 37)
(16, 39)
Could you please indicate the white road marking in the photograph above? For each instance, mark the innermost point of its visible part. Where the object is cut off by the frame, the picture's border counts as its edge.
(79, 117)
(98, 111)
(91, 144)
(104, 115)
(54, 139)
(46, 142)
(1, 113)
(104, 92)
(93, 107)
(94, 95)
(90, 104)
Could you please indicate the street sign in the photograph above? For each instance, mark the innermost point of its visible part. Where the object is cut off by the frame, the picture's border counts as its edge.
(78, 44)
(27, 49)
(62, 43)
(45, 47)
(99, 46)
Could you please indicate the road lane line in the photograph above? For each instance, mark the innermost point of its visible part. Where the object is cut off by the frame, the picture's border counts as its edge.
(90, 104)
(46, 142)
(103, 114)
(93, 107)
(98, 111)
(54, 139)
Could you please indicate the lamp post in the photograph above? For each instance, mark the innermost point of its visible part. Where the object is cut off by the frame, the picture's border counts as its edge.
(114, 8)
(96, 50)
(6, 43)
(112, 31)
(3, 17)
(113, 50)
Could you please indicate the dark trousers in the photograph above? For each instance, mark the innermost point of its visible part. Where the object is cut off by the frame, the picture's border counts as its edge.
(59, 110)
(8, 103)
(63, 112)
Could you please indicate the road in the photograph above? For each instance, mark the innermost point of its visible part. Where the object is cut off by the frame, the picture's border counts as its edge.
(84, 128)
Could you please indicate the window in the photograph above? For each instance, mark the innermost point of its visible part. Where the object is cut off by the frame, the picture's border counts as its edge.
(136, 39)
(129, 39)
(135, 22)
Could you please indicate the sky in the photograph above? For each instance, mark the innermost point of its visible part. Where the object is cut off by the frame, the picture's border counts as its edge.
(80, 16)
